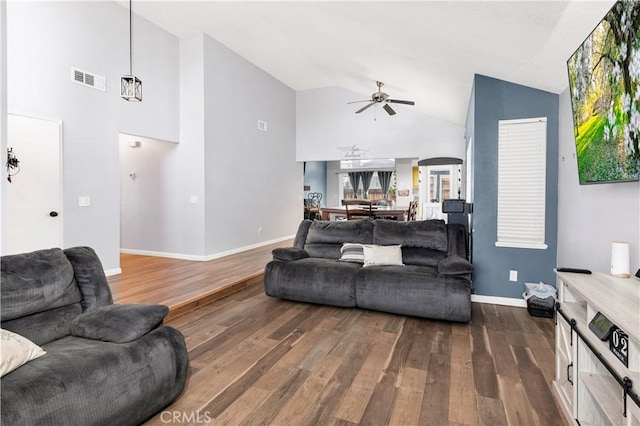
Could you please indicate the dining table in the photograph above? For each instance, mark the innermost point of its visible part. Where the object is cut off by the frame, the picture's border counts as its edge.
(379, 212)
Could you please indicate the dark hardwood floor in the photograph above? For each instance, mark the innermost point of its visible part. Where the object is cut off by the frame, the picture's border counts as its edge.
(256, 360)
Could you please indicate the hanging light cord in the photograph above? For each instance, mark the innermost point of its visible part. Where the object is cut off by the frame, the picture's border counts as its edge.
(130, 42)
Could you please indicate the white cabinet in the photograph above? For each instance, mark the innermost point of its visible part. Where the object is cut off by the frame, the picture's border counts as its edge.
(590, 380)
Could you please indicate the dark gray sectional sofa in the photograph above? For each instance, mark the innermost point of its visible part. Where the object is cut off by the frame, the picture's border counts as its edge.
(434, 282)
(105, 364)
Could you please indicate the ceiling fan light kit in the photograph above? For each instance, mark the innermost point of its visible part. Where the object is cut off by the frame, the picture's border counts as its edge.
(381, 97)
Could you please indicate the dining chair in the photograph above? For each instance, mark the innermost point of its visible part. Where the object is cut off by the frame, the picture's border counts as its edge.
(358, 209)
(412, 211)
(314, 205)
(307, 208)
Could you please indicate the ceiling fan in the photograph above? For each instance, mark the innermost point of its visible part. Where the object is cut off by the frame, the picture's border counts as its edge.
(381, 97)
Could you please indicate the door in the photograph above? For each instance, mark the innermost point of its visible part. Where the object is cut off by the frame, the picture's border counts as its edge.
(34, 197)
(437, 183)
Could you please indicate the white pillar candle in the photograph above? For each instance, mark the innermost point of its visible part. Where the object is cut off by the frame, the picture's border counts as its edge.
(620, 259)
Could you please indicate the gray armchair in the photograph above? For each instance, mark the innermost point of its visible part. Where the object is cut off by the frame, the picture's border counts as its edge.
(104, 364)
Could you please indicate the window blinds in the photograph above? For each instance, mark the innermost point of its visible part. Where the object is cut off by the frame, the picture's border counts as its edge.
(522, 150)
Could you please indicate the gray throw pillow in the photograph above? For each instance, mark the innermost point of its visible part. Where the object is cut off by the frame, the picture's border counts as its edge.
(120, 323)
(352, 252)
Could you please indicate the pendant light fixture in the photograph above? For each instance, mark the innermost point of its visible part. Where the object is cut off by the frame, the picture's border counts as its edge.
(130, 85)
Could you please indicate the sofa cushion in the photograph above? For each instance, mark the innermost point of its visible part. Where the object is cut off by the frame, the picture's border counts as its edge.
(313, 280)
(414, 290)
(16, 351)
(90, 277)
(325, 238)
(287, 254)
(325, 251)
(429, 234)
(454, 265)
(36, 282)
(47, 326)
(352, 252)
(119, 323)
(421, 256)
(90, 382)
(382, 255)
(338, 232)
(301, 235)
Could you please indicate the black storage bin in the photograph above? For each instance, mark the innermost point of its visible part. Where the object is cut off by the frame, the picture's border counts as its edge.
(538, 307)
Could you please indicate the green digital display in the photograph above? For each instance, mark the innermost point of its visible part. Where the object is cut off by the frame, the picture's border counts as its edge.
(601, 326)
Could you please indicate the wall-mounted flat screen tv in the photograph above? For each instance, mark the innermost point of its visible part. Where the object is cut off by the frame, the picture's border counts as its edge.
(604, 80)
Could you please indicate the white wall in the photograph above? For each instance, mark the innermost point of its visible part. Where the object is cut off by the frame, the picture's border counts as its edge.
(163, 209)
(590, 217)
(326, 125)
(404, 177)
(186, 220)
(253, 184)
(45, 39)
(225, 180)
(3, 113)
(333, 197)
(145, 175)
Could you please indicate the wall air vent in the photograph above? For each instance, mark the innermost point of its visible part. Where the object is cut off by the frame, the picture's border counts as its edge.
(88, 79)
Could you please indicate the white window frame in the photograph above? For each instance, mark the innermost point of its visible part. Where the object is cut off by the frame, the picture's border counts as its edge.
(522, 163)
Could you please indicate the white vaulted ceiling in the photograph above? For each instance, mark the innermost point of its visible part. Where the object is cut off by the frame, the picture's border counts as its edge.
(426, 51)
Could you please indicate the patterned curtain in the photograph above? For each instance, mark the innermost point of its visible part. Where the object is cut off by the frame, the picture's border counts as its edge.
(354, 179)
(385, 181)
(366, 182)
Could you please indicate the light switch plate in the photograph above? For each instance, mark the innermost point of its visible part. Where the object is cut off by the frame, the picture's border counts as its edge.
(84, 201)
(513, 275)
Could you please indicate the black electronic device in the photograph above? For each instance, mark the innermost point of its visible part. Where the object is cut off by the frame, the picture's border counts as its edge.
(573, 270)
(454, 206)
(638, 273)
(601, 326)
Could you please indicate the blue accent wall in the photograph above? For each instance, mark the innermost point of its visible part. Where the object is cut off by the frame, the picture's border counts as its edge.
(494, 100)
(315, 176)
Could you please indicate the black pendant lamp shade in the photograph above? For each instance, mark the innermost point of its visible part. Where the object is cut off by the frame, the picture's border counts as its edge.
(130, 85)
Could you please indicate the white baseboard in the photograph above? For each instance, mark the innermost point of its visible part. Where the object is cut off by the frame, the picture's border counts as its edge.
(207, 257)
(110, 272)
(245, 248)
(494, 300)
(163, 254)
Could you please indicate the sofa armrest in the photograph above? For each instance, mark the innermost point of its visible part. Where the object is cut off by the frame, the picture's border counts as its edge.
(287, 254)
(120, 323)
(454, 265)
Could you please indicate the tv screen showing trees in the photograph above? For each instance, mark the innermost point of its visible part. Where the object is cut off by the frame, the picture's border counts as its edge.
(604, 78)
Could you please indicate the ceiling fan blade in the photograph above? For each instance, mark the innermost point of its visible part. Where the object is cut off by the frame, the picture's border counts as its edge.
(389, 110)
(397, 101)
(356, 102)
(363, 108)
